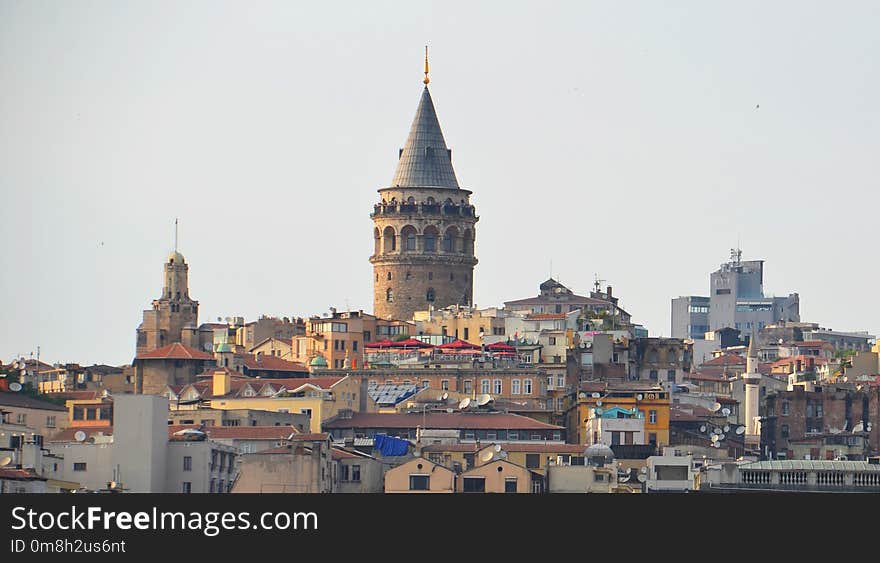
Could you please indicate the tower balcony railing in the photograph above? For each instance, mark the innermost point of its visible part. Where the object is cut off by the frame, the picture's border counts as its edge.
(424, 208)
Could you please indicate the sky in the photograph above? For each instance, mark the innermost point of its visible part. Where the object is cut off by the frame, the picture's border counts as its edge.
(639, 141)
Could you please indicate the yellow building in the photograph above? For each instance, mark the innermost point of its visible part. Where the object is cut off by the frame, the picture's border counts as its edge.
(653, 402)
(466, 323)
(420, 476)
(496, 476)
(319, 397)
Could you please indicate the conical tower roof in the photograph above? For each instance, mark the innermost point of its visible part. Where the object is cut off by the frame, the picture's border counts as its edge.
(424, 160)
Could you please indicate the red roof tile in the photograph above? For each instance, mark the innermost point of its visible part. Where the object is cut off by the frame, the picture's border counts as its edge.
(13, 474)
(726, 360)
(271, 363)
(545, 316)
(176, 351)
(498, 421)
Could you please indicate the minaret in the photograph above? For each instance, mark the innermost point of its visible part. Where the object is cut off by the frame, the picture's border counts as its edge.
(174, 315)
(752, 381)
(424, 226)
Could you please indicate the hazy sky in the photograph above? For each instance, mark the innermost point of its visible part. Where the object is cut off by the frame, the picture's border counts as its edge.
(614, 138)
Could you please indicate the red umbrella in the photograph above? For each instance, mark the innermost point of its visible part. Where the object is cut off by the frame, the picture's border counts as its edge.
(500, 347)
(412, 343)
(380, 344)
(459, 345)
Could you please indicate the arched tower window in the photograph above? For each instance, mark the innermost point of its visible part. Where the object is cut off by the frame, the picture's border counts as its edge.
(389, 295)
(389, 276)
(390, 242)
(468, 242)
(408, 235)
(430, 295)
(430, 238)
(377, 242)
(450, 240)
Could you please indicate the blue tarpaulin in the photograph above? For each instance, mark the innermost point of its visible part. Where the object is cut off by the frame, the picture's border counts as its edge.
(389, 445)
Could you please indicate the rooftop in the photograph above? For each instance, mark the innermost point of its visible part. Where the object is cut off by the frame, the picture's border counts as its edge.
(454, 421)
(176, 351)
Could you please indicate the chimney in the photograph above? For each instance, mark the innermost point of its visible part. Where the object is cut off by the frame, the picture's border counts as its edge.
(608, 291)
(222, 383)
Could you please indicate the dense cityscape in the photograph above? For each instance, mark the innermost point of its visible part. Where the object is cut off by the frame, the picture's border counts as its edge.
(554, 392)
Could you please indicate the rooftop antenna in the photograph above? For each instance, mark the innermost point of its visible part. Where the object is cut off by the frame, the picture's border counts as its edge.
(426, 80)
(597, 282)
(175, 234)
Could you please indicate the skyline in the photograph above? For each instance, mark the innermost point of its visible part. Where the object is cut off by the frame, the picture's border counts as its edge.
(643, 156)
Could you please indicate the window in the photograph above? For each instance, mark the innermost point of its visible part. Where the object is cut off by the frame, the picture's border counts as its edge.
(50, 421)
(430, 295)
(510, 485)
(21, 418)
(652, 439)
(652, 417)
(653, 374)
(187, 463)
(186, 487)
(784, 430)
(389, 275)
(354, 345)
(670, 375)
(552, 341)
(342, 344)
(447, 243)
(497, 386)
(484, 386)
(430, 275)
(722, 292)
(343, 473)
(527, 386)
(389, 295)
(512, 435)
(784, 408)
(560, 380)
(336, 345)
(468, 461)
(474, 485)
(599, 477)
(557, 359)
(557, 434)
(356, 473)
(411, 240)
(468, 385)
(533, 461)
(430, 241)
(515, 388)
(418, 482)
(81, 466)
(444, 384)
(466, 333)
(426, 383)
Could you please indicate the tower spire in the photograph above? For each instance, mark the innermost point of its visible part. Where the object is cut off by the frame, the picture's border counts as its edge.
(426, 80)
(175, 234)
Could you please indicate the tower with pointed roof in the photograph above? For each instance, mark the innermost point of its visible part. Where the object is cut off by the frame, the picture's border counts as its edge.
(424, 226)
(752, 381)
(174, 316)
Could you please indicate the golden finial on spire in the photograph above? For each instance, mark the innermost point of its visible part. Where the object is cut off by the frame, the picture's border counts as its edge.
(426, 80)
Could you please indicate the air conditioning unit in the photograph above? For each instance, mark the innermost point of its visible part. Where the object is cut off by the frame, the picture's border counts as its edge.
(651, 396)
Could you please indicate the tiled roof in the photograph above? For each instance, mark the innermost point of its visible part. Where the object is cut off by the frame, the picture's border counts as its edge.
(13, 474)
(702, 376)
(176, 351)
(67, 435)
(442, 421)
(11, 399)
(76, 395)
(270, 363)
(239, 432)
(509, 447)
(568, 299)
(726, 360)
(342, 454)
(424, 160)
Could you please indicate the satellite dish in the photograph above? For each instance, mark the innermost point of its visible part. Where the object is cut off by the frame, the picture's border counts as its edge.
(721, 437)
(714, 438)
(716, 407)
(15, 386)
(487, 456)
(741, 430)
(417, 453)
(497, 447)
(111, 485)
(642, 477)
(582, 395)
(703, 428)
(450, 410)
(483, 399)
(598, 403)
(716, 431)
(717, 445)
(644, 469)
(596, 395)
(445, 396)
(464, 403)
(858, 427)
(726, 428)
(725, 411)
(639, 397)
(5, 461)
(80, 436)
(23, 372)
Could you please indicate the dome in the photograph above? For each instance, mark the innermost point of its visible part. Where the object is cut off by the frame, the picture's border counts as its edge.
(176, 257)
(599, 454)
(318, 362)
